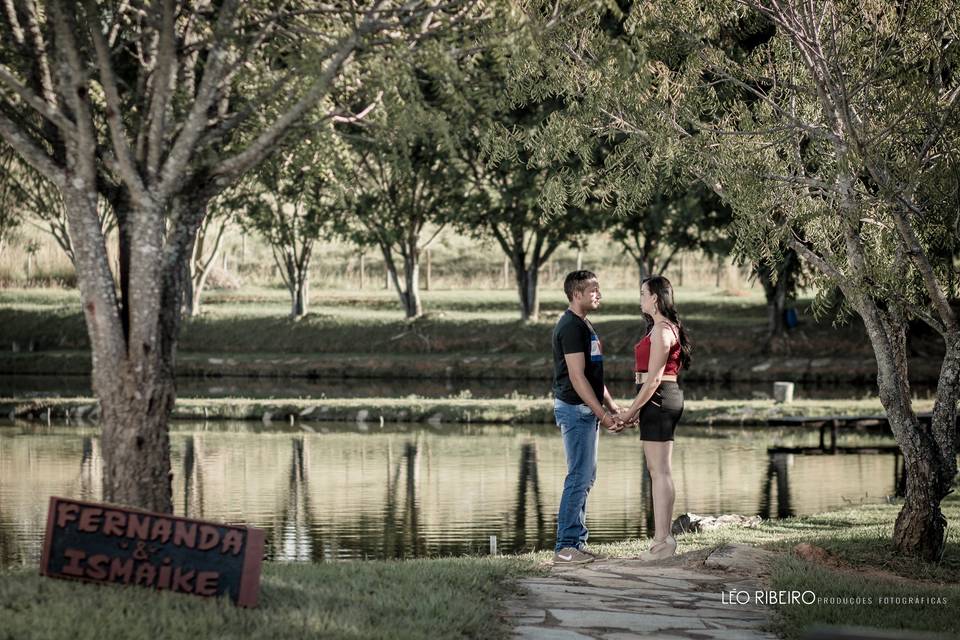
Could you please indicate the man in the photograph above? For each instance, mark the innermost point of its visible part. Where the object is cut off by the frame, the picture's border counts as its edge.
(579, 399)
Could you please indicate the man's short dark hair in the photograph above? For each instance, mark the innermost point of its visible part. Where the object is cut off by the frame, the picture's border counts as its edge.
(577, 281)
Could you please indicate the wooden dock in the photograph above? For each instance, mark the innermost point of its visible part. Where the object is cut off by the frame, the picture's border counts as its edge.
(864, 424)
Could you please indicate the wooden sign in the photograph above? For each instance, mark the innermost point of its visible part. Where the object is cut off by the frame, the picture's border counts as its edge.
(103, 543)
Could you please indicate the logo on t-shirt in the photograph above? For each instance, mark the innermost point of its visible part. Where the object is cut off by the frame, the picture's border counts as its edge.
(596, 352)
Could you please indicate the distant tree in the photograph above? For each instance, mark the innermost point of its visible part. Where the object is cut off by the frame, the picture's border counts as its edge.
(676, 218)
(26, 196)
(206, 248)
(514, 190)
(506, 207)
(404, 172)
(293, 200)
(10, 216)
(138, 105)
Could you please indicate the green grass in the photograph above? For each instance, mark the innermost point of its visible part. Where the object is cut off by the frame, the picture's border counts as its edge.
(439, 598)
(255, 319)
(465, 334)
(878, 606)
(465, 597)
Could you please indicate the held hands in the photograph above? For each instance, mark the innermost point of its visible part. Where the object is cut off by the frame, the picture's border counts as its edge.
(609, 422)
(617, 421)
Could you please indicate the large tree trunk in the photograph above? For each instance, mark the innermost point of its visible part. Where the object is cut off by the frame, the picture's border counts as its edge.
(132, 362)
(134, 435)
(920, 525)
(930, 465)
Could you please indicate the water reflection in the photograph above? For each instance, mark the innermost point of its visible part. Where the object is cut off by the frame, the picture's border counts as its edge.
(405, 491)
(401, 519)
(778, 470)
(528, 490)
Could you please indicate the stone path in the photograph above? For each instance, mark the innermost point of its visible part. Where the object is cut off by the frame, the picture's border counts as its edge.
(620, 599)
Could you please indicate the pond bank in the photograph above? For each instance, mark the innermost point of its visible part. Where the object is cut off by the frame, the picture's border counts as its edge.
(433, 411)
(473, 366)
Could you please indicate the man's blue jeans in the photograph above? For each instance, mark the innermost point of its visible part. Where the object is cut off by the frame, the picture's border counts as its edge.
(580, 430)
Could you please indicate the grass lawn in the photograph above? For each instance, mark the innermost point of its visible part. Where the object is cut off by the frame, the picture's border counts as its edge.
(465, 334)
(255, 320)
(441, 598)
(464, 597)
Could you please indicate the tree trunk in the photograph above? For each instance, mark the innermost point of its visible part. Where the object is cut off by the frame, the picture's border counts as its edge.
(643, 271)
(132, 358)
(410, 298)
(299, 291)
(201, 266)
(134, 435)
(920, 527)
(776, 298)
(187, 308)
(409, 291)
(777, 293)
(529, 290)
(427, 283)
(930, 465)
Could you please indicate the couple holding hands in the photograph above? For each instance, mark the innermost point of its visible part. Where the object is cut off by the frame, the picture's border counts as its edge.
(582, 404)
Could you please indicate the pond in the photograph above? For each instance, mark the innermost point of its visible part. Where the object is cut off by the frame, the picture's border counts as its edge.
(331, 492)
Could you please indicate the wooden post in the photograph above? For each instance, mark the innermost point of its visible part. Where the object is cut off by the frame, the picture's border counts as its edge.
(362, 278)
(579, 258)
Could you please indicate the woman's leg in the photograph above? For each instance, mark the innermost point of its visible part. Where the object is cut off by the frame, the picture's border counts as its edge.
(659, 464)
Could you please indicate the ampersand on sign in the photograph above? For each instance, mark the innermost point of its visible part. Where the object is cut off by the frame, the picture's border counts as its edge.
(141, 551)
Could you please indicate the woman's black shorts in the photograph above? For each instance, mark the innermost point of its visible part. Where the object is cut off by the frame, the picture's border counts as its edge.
(659, 417)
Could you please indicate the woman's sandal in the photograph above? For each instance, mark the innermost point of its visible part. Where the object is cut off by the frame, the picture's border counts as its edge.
(660, 549)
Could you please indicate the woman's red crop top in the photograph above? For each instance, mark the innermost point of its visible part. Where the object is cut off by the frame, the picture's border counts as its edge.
(641, 353)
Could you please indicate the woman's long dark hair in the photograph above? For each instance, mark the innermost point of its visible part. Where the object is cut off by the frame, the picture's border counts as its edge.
(661, 287)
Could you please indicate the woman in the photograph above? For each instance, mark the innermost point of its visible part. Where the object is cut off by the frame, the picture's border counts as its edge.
(660, 356)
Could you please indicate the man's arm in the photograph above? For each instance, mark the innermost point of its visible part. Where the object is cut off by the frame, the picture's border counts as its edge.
(575, 365)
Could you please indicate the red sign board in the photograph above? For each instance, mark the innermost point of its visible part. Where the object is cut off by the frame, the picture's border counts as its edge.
(104, 543)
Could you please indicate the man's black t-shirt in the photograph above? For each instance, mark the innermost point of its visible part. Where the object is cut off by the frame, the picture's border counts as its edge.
(573, 335)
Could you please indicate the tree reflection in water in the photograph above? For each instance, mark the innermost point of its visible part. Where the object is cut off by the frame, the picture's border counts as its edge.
(401, 534)
(192, 480)
(528, 485)
(778, 467)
